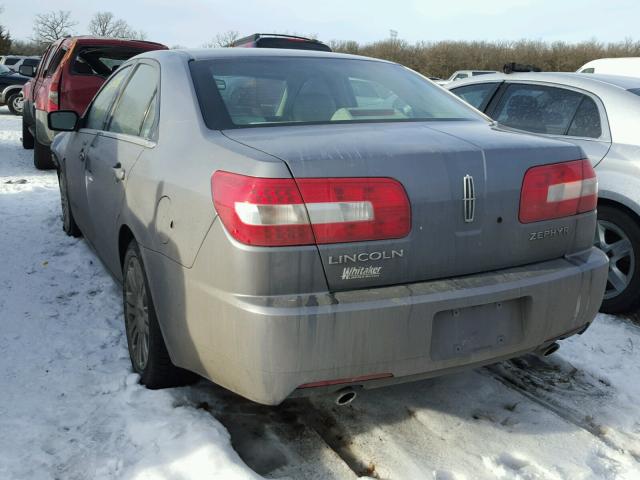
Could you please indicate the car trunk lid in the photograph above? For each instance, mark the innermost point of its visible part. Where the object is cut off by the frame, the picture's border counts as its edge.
(463, 180)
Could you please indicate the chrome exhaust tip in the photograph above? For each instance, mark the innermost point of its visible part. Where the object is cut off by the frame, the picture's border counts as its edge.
(345, 397)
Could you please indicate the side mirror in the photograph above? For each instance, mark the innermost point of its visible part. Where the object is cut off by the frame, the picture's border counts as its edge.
(63, 121)
(27, 70)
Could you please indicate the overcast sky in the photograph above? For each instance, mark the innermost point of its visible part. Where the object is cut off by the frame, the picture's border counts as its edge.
(193, 22)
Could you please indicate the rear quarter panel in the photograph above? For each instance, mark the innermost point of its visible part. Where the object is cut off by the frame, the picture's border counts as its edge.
(169, 204)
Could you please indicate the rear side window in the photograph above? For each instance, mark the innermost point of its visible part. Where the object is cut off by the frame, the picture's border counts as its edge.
(460, 76)
(135, 101)
(101, 105)
(586, 123)
(55, 61)
(477, 95)
(538, 109)
(11, 61)
(588, 70)
(31, 62)
(100, 61)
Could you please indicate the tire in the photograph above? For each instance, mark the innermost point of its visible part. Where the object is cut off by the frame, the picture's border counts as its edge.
(42, 156)
(69, 224)
(15, 103)
(618, 235)
(147, 350)
(27, 138)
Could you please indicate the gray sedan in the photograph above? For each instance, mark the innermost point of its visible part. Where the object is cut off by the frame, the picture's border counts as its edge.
(289, 222)
(600, 114)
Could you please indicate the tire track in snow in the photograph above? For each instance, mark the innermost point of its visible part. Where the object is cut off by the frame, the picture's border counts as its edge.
(546, 384)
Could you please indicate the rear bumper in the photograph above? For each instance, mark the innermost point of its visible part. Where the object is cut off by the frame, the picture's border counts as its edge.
(266, 347)
(42, 132)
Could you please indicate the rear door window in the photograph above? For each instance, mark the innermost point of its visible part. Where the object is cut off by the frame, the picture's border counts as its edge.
(133, 105)
(100, 61)
(101, 105)
(538, 108)
(46, 58)
(477, 95)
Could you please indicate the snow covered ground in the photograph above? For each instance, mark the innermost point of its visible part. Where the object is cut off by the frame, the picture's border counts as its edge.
(70, 408)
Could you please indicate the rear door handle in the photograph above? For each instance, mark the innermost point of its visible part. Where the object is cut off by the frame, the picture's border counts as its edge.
(118, 171)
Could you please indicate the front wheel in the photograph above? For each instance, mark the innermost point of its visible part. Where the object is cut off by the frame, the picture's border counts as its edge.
(618, 236)
(15, 103)
(147, 350)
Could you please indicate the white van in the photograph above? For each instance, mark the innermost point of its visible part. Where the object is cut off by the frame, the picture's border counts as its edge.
(627, 67)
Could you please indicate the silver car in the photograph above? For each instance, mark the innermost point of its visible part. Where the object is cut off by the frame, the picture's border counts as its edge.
(601, 115)
(288, 222)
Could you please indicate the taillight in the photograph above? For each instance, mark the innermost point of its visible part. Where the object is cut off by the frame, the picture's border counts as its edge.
(284, 211)
(53, 101)
(558, 190)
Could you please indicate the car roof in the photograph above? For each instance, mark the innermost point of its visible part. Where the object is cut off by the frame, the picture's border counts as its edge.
(595, 83)
(221, 53)
(84, 40)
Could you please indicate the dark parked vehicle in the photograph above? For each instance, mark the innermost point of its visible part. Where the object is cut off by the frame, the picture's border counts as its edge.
(10, 61)
(277, 229)
(272, 40)
(27, 62)
(11, 89)
(600, 114)
(70, 73)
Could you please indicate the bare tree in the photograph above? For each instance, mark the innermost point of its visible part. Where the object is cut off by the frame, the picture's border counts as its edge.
(49, 27)
(105, 24)
(222, 40)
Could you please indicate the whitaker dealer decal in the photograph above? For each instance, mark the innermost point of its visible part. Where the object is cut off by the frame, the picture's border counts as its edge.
(360, 272)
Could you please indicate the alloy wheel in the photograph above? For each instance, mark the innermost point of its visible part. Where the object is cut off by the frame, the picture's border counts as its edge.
(18, 103)
(136, 314)
(613, 241)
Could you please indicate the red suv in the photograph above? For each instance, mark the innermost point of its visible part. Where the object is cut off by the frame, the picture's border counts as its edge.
(70, 73)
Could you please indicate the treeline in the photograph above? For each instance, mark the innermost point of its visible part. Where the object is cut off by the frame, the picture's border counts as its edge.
(50, 26)
(441, 59)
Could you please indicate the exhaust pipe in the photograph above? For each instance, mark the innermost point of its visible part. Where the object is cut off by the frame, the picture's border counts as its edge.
(551, 349)
(345, 397)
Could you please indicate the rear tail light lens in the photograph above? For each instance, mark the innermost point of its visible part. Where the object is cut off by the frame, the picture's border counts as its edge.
(53, 101)
(558, 190)
(279, 212)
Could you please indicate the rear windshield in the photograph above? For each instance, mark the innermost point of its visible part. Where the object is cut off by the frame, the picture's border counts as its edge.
(635, 90)
(101, 61)
(265, 91)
